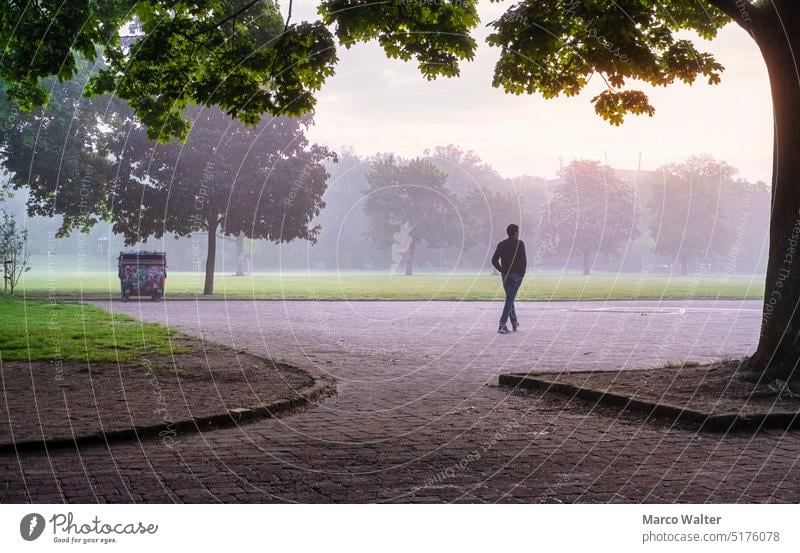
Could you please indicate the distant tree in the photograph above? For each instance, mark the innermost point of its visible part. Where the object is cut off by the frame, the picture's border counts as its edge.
(486, 215)
(13, 252)
(591, 212)
(466, 171)
(747, 206)
(689, 220)
(343, 221)
(532, 196)
(263, 182)
(488, 201)
(412, 196)
(241, 259)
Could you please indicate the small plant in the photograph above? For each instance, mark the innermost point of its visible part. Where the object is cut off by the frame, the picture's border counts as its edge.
(13, 252)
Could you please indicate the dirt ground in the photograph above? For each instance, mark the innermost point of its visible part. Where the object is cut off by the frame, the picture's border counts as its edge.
(716, 389)
(44, 400)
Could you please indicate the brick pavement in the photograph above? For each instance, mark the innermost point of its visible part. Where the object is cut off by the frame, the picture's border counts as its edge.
(418, 416)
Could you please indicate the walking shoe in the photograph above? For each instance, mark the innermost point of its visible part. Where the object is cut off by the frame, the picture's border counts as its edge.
(515, 326)
(503, 330)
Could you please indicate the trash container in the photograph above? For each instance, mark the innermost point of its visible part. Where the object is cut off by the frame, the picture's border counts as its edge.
(142, 274)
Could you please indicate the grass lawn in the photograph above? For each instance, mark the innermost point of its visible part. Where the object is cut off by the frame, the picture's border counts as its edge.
(374, 286)
(40, 330)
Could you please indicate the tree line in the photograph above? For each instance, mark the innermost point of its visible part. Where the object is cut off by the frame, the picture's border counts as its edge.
(693, 213)
(87, 160)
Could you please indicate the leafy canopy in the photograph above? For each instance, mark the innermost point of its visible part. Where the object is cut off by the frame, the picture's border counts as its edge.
(410, 195)
(162, 56)
(61, 152)
(263, 182)
(555, 47)
(592, 210)
(244, 57)
(690, 218)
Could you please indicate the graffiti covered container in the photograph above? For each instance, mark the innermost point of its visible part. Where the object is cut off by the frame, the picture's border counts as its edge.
(142, 274)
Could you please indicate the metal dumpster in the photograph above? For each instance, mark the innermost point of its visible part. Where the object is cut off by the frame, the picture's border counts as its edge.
(142, 274)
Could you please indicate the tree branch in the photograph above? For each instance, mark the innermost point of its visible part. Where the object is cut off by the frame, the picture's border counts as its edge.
(285, 29)
(227, 18)
(280, 41)
(288, 17)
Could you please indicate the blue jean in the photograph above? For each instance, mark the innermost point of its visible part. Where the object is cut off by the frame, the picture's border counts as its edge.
(511, 284)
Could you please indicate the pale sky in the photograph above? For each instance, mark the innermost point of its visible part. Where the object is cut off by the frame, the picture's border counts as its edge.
(379, 105)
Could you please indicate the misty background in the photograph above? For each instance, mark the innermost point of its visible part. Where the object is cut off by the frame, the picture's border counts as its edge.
(718, 224)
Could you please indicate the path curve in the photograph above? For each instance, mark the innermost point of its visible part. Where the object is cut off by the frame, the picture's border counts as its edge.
(418, 415)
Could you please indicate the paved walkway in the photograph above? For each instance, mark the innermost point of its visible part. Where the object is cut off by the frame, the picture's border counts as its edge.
(418, 415)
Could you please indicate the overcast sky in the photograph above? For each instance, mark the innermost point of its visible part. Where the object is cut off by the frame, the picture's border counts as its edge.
(378, 105)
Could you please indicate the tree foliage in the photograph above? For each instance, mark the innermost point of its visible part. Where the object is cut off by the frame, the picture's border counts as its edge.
(592, 211)
(689, 220)
(341, 243)
(466, 171)
(410, 197)
(263, 182)
(486, 201)
(435, 33)
(487, 214)
(92, 159)
(161, 57)
(244, 57)
(555, 47)
(60, 152)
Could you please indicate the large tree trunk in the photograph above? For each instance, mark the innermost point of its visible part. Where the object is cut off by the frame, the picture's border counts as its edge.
(211, 255)
(778, 351)
(412, 246)
(587, 263)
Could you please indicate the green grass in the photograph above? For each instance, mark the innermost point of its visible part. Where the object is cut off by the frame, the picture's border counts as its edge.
(40, 330)
(375, 286)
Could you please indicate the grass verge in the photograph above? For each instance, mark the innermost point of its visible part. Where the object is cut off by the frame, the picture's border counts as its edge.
(42, 330)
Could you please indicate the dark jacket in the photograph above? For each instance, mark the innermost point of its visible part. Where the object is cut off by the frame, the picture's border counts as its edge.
(510, 257)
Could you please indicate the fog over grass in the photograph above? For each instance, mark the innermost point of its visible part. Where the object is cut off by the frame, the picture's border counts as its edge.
(366, 285)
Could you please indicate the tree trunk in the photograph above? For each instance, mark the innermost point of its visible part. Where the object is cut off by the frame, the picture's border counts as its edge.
(587, 263)
(410, 257)
(211, 255)
(684, 265)
(778, 351)
(240, 255)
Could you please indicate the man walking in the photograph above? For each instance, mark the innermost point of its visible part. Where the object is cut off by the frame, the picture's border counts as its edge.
(509, 259)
